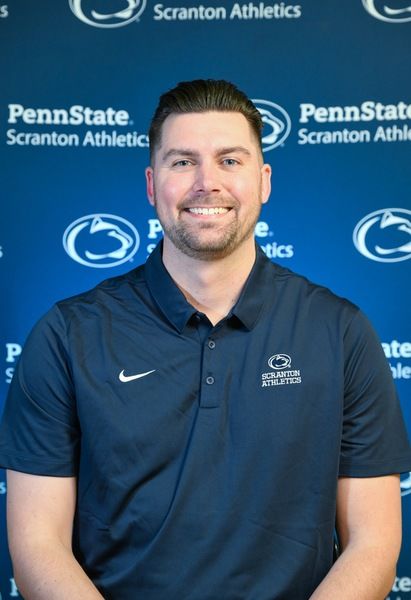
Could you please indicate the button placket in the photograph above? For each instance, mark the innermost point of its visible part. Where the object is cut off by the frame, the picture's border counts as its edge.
(209, 391)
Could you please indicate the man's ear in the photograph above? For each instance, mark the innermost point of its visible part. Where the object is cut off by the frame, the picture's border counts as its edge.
(150, 185)
(265, 183)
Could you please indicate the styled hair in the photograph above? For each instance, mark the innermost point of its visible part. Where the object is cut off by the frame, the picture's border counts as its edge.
(203, 95)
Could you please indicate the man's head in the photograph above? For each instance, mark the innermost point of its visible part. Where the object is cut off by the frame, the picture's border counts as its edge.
(203, 95)
(207, 180)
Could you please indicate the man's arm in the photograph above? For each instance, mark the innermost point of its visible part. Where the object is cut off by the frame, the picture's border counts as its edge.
(369, 529)
(40, 513)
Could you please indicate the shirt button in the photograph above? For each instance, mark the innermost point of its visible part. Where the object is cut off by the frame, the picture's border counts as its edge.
(211, 344)
(210, 380)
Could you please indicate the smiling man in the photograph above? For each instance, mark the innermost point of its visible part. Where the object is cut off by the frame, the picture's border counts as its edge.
(171, 434)
(211, 185)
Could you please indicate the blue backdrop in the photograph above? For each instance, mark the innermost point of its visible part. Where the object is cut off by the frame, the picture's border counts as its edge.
(80, 80)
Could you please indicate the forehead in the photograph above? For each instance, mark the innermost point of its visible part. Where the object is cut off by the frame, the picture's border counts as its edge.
(206, 130)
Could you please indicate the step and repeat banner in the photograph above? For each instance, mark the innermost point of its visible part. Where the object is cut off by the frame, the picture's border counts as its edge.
(79, 82)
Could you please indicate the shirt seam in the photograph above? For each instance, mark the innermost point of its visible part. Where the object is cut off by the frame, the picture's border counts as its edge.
(32, 458)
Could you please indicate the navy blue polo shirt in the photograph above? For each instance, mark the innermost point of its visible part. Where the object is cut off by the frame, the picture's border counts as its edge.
(207, 457)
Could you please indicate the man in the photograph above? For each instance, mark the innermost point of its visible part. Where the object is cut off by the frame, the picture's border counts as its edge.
(196, 428)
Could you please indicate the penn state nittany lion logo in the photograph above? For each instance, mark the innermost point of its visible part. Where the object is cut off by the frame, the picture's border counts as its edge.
(406, 484)
(117, 14)
(101, 240)
(384, 235)
(390, 11)
(279, 361)
(277, 124)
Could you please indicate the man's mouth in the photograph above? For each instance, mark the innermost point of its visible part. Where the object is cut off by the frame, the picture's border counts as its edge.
(212, 210)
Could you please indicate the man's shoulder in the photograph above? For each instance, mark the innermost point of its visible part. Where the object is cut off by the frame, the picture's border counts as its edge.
(286, 277)
(296, 290)
(109, 297)
(110, 291)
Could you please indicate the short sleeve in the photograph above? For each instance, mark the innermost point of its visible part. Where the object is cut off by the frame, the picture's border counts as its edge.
(374, 437)
(39, 431)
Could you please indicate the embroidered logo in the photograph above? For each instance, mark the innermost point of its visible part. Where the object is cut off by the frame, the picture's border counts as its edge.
(281, 374)
(126, 378)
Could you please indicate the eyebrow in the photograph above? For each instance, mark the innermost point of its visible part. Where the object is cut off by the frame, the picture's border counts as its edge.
(234, 150)
(192, 153)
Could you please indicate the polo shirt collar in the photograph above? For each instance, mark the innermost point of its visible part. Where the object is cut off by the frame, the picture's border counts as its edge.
(166, 293)
(178, 311)
(255, 291)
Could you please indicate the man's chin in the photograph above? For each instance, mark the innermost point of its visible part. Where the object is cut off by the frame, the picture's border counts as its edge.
(207, 253)
(205, 250)
(208, 243)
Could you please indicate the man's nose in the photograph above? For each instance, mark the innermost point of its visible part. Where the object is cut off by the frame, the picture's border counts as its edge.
(208, 178)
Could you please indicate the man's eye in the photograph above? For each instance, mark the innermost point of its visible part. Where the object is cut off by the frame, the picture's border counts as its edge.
(182, 163)
(230, 162)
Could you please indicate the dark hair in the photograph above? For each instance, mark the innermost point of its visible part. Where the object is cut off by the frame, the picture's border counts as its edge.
(203, 95)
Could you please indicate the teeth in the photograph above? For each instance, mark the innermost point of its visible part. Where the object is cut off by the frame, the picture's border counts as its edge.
(208, 211)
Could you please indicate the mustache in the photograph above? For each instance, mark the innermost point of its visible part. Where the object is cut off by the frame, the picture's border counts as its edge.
(207, 201)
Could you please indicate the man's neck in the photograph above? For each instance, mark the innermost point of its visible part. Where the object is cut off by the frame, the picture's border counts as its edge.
(212, 287)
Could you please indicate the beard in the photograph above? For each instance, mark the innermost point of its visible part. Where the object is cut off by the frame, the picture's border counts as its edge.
(209, 240)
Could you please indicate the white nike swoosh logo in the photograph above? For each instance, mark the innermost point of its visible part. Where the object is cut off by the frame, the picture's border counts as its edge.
(125, 378)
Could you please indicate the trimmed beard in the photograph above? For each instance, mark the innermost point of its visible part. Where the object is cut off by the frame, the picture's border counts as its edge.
(189, 242)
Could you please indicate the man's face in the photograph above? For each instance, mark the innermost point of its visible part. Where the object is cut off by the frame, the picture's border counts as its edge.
(207, 183)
